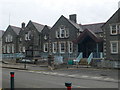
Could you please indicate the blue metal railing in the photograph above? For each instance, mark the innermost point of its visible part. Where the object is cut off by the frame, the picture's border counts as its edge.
(80, 56)
(90, 58)
(97, 55)
(94, 55)
(15, 55)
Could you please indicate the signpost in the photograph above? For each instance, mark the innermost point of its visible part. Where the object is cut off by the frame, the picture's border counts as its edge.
(12, 80)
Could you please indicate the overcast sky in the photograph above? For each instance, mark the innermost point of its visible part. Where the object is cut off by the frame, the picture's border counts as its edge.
(47, 12)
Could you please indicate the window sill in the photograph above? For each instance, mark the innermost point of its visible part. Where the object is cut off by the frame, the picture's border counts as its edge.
(113, 34)
(114, 53)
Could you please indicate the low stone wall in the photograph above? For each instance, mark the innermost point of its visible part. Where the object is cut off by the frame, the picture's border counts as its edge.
(101, 63)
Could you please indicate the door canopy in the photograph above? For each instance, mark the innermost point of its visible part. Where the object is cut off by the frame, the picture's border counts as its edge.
(87, 33)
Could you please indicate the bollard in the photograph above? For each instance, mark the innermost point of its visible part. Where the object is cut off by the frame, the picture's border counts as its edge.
(68, 85)
(12, 80)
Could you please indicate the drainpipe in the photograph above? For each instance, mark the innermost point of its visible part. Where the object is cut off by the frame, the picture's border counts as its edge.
(97, 49)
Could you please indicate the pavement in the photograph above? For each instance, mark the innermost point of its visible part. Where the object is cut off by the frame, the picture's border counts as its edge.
(107, 75)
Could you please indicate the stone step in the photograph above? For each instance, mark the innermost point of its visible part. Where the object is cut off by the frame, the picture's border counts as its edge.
(83, 61)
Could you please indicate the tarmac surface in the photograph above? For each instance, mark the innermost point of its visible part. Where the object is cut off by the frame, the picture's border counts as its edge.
(73, 72)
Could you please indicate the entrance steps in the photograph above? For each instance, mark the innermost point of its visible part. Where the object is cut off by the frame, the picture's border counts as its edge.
(83, 61)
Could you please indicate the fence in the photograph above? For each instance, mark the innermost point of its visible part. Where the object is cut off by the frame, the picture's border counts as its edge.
(12, 56)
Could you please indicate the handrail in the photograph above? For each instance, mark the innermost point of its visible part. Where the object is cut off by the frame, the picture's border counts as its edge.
(80, 56)
(90, 58)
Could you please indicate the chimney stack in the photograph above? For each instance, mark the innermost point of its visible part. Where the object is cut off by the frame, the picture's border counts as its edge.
(118, 4)
(73, 18)
(23, 25)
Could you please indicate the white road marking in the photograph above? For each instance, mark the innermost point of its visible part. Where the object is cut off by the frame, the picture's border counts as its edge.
(108, 79)
(96, 77)
(38, 72)
(61, 74)
(45, 72)
(53, 73)
(72, 75)
(78, 86)
(84, 76)
(31, 71)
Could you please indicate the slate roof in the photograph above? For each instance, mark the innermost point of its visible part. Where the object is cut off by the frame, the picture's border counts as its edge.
(74, 24)
(38, 26)
(117, 12)
(86, 33)
(96, 28)
(1, 33)
(16, 29)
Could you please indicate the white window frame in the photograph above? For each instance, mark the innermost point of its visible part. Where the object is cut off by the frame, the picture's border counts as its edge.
(61, 48)
(23, 48)
(8, 48)
(62, 31)
(20, 39)
(11, 38)
(12, 50)
(67, 33)
(46, 46)
(111, 46)
(54, 47)
(70, 47)
(20, 48)
(57, 34)
(116, 29)
(45, 37)
(4, 49)
(27, 36)
(6, 39)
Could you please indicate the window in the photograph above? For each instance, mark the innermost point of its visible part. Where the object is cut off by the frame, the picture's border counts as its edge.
(62, 47)
(20, 39)
(62, 32)
(57, 34)
(70, 47)
(20, 48)
(11, 38)
(8, 48)
(12, 48)
(8, 38)
(46, 47)
(114, 47)
(67, 33)
(54, 47)
(78, 34)
(114, 29)
(23, 48)
(4, 49)
(45, 37)
(27, 36)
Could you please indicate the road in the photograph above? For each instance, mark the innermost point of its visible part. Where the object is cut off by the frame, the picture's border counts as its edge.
(30, 79)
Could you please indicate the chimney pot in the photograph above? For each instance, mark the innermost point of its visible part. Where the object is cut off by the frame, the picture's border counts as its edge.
(118, 4)
(73, 18)
(23, 25)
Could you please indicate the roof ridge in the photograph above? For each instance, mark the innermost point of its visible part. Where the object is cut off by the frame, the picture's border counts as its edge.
(14, 26)
(37, 23)
(92, 24)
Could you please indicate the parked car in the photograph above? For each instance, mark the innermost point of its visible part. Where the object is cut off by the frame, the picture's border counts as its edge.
(26, 61)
